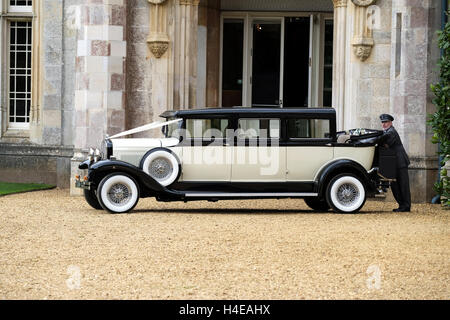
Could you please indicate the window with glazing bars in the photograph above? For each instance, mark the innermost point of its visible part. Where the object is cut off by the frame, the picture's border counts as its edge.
(20, 6)
(20, 2)
(20, 71)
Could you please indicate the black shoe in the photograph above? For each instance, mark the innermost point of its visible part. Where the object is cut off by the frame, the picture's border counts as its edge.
(404, 210)
(396, 210)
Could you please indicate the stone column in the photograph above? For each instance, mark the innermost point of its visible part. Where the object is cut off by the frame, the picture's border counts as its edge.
(100, 77)
(363, 23)
(158, 42)
(46, 111)
(140, 71)
(172, 44)
(213, 53)
(185, 54)
(339, 58)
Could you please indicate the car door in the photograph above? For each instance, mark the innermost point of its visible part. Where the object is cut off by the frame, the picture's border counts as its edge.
(257, 154)
(206, 154)
(309, 148)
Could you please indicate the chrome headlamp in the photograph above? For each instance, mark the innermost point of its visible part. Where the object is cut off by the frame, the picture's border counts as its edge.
(91, 154)
(94, 155)
(97, 155)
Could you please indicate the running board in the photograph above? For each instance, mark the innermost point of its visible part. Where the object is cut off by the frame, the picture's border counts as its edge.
(252, 194)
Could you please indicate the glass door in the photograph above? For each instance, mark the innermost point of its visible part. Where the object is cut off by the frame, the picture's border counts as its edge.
(297, 62)
(266, 63)
(276, 61)
(232, 61)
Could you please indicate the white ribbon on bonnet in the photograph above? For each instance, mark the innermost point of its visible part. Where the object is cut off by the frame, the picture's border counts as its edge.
(153, 125)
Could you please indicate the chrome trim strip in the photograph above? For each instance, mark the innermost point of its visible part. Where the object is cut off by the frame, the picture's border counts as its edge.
(251, 194)
(372, 170)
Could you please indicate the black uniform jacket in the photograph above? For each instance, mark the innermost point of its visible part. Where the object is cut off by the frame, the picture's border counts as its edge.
(391, 138)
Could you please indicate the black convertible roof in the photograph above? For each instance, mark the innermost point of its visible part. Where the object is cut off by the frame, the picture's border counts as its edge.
(324, 113)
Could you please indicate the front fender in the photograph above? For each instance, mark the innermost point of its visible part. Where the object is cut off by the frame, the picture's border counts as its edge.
(148, 185)
(343, 166)
(84, 165)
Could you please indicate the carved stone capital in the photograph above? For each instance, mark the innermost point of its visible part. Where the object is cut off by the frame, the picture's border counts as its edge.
(156, 1)
(158, 44)
(363, 3)
(362, 51)
(362, 48)
(158, 48)
(339, 3)
(189, 2)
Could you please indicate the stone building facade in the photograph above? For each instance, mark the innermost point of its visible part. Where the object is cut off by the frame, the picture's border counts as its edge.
(99, 67)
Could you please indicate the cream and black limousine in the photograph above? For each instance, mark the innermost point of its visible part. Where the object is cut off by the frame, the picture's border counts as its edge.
(238, 153)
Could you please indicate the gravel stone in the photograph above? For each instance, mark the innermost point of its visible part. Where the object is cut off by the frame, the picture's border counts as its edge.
(53, 246)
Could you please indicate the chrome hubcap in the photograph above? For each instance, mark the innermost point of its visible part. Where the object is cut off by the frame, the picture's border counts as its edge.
(119, 194)
(347, 194)
(160, 168)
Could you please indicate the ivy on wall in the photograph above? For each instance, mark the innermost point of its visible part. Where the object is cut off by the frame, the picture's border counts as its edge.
(440, 120)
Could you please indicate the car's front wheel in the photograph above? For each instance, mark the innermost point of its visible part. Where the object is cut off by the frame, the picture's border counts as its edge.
(317, 204)
(118, 193)
(346, 193)
(91, 198)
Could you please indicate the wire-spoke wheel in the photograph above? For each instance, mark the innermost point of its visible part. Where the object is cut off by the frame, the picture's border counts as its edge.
(162, 165)
(346, 193)
(118, 193)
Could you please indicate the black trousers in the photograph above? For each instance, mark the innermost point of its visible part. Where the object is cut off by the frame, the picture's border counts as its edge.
(400, 189)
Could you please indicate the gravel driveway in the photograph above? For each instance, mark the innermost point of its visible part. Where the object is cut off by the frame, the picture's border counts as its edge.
(53, 246)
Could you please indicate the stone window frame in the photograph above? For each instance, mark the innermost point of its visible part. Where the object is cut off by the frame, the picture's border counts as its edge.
(19, 9)
(316, 78)
(7, 15)
(322, 89)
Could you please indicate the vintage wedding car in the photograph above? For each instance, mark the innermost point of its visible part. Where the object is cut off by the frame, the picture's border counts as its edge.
(238, 153)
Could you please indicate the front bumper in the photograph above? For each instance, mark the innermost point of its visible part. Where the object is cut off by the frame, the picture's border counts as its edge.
(82, 184)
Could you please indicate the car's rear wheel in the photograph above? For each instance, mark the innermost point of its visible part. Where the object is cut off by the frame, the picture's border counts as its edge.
(346, 193)
(317, 204)
(91, 199)
(118, 193)
(162, 165)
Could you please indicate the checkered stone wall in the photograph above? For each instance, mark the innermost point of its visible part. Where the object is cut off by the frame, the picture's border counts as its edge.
(100, 74)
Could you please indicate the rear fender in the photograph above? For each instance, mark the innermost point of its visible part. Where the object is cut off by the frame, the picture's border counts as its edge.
(343, 166)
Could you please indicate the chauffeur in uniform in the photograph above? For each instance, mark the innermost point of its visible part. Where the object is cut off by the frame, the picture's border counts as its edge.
(391, 139)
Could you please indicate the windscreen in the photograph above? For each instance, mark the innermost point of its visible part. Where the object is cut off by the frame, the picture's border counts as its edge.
(172, 130)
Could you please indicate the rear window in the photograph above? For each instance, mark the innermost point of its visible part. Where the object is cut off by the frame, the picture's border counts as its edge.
(308, 128)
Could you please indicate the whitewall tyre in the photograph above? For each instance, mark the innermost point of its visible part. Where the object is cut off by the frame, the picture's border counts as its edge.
(316, 204)
(346, 193)
(162, 165)
(118, 193)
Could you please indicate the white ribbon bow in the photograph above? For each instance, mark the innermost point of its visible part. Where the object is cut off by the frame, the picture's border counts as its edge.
(153, 125)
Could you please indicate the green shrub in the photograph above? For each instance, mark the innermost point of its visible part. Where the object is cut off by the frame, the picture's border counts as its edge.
(440, 120)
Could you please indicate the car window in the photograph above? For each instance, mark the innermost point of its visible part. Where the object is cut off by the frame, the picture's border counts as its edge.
(206, 128)
(308, 128)
(259, 128)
